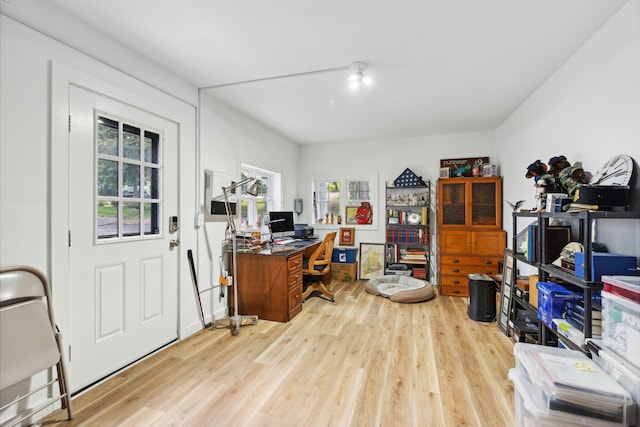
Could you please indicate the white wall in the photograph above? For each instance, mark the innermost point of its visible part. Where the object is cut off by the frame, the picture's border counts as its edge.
(589, 110)
(229, 139)
(389, 158)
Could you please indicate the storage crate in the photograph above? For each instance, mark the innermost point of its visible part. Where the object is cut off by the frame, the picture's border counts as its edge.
(529, 414)
(605, 263)
(625, 374)
(625, 286)
(344, 255)
(621, 326)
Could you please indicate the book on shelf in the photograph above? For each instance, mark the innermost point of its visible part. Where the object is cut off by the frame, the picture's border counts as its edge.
(420, 273)
(596, 328)
(413, 235)
(577, 307)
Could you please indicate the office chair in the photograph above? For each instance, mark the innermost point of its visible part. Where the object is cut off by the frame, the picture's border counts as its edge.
(317, 266)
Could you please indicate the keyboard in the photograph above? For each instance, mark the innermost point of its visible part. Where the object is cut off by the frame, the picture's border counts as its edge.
(284, 241)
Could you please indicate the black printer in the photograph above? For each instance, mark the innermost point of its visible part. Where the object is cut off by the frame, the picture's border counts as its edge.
(303, 231)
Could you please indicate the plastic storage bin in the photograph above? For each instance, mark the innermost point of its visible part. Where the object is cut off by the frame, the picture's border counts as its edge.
(551, 301)
(625, 286)
(567, 383)
(344, 255)
(621, 326)
(529, 414)
(623, 372)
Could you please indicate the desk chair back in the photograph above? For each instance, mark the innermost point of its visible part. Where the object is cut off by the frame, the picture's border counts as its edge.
(317, 266)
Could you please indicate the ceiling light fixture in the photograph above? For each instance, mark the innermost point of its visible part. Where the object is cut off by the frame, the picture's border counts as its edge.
(357, 77)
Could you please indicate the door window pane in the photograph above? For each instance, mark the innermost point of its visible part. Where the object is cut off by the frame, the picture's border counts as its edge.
(107, 178)
(151, 211)
(151, 183)
(151, 147)
(130, 180)
(131, 142)
(131, 219)
(107, 139)
(107, 224)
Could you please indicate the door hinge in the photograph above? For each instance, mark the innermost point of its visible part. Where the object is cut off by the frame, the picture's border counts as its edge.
(69, 122)
(69, 238)
(69, 353)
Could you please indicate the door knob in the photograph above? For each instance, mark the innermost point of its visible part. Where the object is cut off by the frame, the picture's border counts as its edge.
(174, 243)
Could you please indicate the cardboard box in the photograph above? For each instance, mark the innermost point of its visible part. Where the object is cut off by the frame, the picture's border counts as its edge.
(344, 272)
(344, 255)
(533, 290)
(606, 263)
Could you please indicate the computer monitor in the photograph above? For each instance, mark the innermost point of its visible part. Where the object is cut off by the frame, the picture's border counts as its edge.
(281, 224)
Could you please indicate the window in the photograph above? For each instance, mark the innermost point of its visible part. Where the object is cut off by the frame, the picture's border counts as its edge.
(336, 199)
(127, 180)
(251, 214)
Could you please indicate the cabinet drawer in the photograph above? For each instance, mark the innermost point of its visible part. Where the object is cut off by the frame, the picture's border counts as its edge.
(295, 301)
(454, 280)
(294, 262)
(468, 269)
(469, 260)
(295, 278)
(454, 290)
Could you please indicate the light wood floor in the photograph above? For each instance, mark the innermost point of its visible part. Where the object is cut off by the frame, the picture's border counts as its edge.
(363, 361)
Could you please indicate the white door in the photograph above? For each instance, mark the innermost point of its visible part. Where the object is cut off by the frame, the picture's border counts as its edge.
(123, 271)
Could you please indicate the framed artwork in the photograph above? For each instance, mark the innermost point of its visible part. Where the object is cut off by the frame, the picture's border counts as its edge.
(506, 291)
(347, 236)
(371, 260)
(350, 215)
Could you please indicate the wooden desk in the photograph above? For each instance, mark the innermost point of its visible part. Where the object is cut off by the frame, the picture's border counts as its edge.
(270, 281)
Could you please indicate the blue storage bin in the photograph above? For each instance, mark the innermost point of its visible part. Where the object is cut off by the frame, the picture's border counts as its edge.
(344, 255)
(605, 263)
(551, 301)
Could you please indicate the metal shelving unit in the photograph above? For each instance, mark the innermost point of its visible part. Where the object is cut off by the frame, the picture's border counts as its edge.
(585, 227)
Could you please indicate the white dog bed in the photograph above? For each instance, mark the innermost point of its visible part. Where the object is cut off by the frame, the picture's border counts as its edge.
(400, 288)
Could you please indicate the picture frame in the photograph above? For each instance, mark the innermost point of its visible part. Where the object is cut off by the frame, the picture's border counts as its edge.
(347, 236)
(371, 263)
(350, 214)
(506, 291)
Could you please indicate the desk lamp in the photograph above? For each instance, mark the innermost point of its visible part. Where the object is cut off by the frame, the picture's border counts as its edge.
(235, 321)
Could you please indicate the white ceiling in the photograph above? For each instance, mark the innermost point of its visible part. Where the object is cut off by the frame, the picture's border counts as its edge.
(440, 66)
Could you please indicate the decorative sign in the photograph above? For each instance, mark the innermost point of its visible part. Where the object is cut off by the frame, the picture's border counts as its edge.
(464, 166)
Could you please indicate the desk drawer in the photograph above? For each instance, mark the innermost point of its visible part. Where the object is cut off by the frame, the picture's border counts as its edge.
(294, 262)
(295, 278)
(295, 301)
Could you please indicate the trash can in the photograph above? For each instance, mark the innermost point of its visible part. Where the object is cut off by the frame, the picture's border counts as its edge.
(482, 298)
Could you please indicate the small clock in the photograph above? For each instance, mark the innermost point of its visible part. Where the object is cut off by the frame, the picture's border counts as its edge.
(616, 171)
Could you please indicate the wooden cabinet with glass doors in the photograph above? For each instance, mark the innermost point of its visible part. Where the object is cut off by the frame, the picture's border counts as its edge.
(470, 235)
